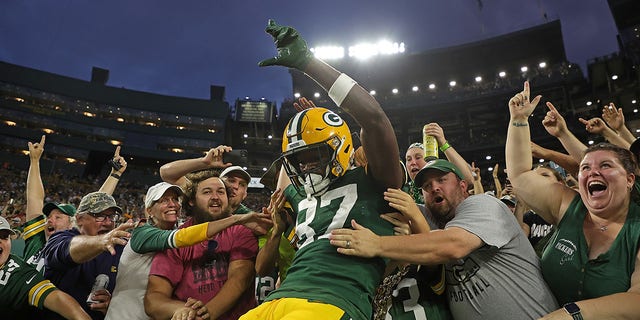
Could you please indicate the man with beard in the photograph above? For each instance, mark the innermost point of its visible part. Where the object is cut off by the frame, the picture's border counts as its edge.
(219, 272)
(74, 258)
(491, 270)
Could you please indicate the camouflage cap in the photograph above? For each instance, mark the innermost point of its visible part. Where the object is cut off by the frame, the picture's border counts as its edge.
(96, 202)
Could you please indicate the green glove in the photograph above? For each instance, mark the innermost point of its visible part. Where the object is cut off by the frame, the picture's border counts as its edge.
(292, 49)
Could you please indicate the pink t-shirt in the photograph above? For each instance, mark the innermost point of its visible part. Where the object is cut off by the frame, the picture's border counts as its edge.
(200, 271)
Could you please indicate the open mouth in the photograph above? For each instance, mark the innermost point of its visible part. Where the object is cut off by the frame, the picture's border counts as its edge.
(438, 199)
(596, 188)
(51, 229)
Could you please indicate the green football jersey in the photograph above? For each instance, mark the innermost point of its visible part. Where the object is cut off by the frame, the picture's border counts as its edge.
(319, 272)
(21, 285)
(35, 240)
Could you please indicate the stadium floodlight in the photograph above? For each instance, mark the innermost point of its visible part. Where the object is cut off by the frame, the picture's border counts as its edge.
(490, 169)
(432, 86)
(71, 160)
(382, 47)
(264, 169)
(88, 114)
(614, 77)
(635, 110)
(296, 95)
(372, 92)
(47, 130)
(634, 101)
(180, 127)
(637, 130)
(212, 130)
(262, 99)
(478, 79)
(542, 160)
(328, 52)
(524, 68)
(120, 119)
(488, 157)
(542, 65)
(177, 150)
(452, 83)
(10, 123)
(245, 135)
(502, 74)
(246, 97)
(115, 142)
(395, 90)
(591, 142)
(415, 89)
(589, 103)
(269, 137)
(317, 94)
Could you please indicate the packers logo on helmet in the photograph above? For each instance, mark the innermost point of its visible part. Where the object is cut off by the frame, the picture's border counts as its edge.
(317, 148)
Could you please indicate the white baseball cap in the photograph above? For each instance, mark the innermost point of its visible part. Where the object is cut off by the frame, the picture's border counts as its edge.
(238, 169)
(156, 191)
(4, 225)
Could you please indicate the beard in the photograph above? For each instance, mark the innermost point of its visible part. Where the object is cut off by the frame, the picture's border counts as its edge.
(441, 215)
(199, 215)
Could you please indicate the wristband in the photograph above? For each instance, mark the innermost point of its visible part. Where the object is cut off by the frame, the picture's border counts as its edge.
(340, 88)
(445, 146)
(115, 176)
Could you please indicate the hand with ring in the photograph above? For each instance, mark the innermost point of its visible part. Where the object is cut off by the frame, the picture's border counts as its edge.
(358, 241)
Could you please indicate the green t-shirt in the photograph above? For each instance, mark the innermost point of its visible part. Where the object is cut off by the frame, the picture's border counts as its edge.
(567, 268)
(318, 271)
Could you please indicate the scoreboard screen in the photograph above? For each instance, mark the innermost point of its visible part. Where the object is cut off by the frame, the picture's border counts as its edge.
(254, 111)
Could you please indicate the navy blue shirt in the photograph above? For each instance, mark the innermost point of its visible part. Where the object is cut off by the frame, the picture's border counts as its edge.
(77, 279)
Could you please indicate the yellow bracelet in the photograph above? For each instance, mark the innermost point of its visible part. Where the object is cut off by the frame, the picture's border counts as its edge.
(445, 146)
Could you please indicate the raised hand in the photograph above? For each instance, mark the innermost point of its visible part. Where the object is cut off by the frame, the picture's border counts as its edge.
(495, 171)
(476, 171)
(292, 49)
(594, 125)
(613, 116)
(434, 129)
(303, 104)
(36, 149)
(553, 122)
(118, 160)
(213, 158)
(520, 105)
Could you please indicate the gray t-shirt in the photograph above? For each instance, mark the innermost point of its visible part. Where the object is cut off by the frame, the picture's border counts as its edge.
(501, 279)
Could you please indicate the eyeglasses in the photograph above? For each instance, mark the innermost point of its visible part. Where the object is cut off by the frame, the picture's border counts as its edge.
(100, 217)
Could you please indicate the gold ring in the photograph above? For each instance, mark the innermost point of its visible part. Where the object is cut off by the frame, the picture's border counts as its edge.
(348, 244)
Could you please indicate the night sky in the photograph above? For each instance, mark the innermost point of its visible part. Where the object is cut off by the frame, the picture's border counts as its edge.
(180, 48)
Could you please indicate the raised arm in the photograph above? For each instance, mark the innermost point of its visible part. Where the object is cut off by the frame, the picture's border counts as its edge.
(35, 189)
(597, 126)
(118, 167)
(555, 124)
(174, 172)
(452, 155)
(615, 119)
(477, 180)
(378, 137)
(545, 197)
(496, 180)
(564, 160)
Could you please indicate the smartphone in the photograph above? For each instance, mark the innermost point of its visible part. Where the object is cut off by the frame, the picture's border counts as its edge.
(115, 165)
(239, 157)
